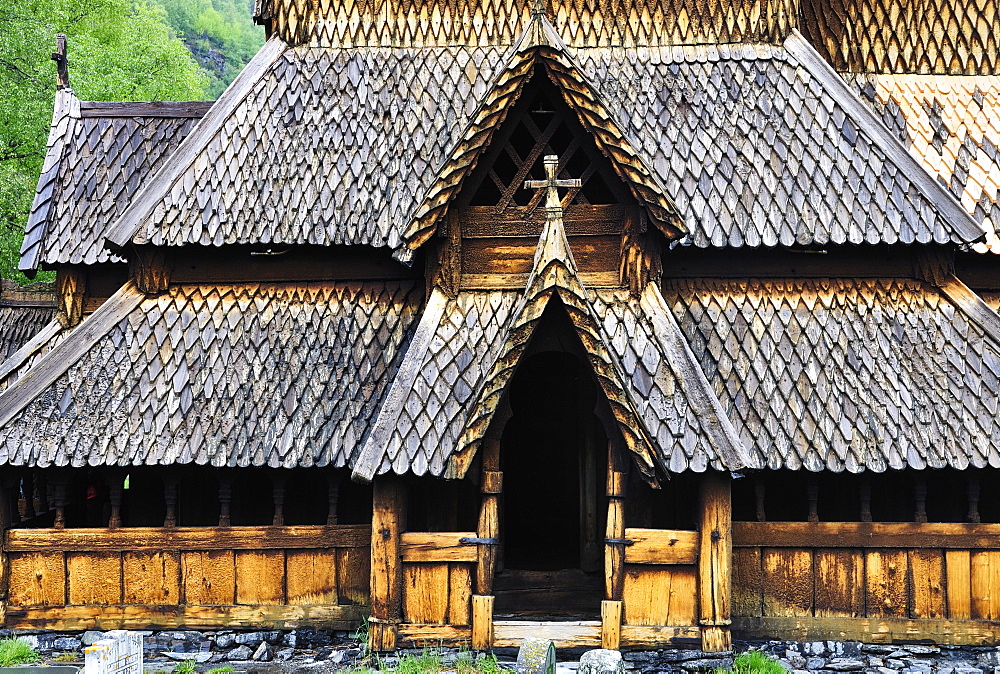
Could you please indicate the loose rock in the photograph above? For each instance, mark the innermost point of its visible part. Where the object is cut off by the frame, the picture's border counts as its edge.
(601, 661)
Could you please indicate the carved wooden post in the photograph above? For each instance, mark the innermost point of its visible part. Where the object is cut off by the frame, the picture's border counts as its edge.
(170, 499)
(812, 487)
(866, 499)
(225, 498)
(715, 562)
(388, 521)
(491, 486)
(333, 497)
(973, 499)
(614, 553)
(115, 484)
(278, 494)
(59, 481)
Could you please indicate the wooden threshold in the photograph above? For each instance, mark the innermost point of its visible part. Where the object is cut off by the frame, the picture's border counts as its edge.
(569, 634)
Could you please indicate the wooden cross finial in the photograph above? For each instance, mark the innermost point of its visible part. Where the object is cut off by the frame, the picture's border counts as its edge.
(62, 65)
(551, 184)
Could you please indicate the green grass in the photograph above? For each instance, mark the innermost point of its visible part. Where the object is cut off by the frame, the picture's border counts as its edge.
(431, 661)
(67, 656)
(753, 662)
(16, 652)
(186, 667)
(225, 669)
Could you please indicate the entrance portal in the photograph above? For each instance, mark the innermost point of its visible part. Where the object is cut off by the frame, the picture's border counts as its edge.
(553, 456)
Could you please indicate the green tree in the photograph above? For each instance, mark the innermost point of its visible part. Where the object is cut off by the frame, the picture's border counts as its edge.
(118, 50)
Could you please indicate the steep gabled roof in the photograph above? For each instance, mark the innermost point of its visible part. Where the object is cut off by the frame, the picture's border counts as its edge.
(99, 154)
(233, 375)
(465, 351)
(850, 375)
(738, 145)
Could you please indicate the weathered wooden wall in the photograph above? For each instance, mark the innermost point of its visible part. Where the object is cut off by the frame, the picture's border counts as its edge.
(867, 581)
(192, 577)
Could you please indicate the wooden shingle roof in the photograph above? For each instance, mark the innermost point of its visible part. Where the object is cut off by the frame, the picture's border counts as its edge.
(849, 375)
(99, 154)
(270, 374)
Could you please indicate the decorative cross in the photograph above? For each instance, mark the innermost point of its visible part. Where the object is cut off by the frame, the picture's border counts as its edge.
(551, 184)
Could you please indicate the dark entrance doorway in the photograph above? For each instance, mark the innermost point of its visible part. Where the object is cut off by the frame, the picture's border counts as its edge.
(554, 456)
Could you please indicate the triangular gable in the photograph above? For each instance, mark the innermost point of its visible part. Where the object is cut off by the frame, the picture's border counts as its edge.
(466, 350)
(540, 45)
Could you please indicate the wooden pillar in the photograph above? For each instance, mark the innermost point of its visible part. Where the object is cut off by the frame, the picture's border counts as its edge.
(388, 521)
(60, 482)
(225, 498)
(611, 624)
(5, 517)
(489, 515)
(115, 485)
(715, 562)
(482, 622)
(972, 488)
(332, 497)
(614, 553)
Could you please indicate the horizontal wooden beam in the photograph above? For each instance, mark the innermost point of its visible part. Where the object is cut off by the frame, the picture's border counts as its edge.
(188, 538)
(432, 546)
(410, 635)
(661, 546)
(139, 616)
(196, 109)
(569, 634)
(579, 220)
(869, 630)
(949, 535)
(591, 279)
(643, 636)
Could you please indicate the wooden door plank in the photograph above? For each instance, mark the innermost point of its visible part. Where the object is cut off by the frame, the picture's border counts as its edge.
(459, 594)
(425, 593)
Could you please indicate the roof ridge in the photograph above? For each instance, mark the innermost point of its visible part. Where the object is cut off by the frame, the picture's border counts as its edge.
(146, 200)
(62, 356)
(65, 117)
(938, 195)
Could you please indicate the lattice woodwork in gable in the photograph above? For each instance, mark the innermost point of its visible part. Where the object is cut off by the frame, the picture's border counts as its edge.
(499, 221)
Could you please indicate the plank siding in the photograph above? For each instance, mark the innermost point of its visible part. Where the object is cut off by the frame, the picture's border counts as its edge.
(189, 581)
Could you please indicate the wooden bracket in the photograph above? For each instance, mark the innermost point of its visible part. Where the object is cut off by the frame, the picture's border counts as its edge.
(150, 268)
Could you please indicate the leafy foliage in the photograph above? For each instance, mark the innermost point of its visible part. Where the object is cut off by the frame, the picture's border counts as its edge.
(16, 652)
(118, 50)
(220, 33)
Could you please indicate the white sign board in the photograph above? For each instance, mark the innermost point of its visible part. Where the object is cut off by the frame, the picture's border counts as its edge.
(120, 652)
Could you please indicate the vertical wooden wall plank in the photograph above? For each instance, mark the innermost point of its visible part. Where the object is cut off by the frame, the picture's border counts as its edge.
(959, 569)
(260, 576)
(354, 575)
(312, 576)
(425, 593)
(748, 582)
(928, 584)
(788, 582)
(986, 585)
(887, 593)
(94, 577)
(209, 578)
(152, 577)
(840, 577)
(37, 579)
(459, 594)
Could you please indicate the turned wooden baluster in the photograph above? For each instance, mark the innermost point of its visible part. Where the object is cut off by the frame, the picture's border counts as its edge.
(920, 499)
(116, 484)
(759, 492)
(972, 489)
(813, 490)
(225, 499)
(866, 499)
(28, 492)
(333, 497)
(278, 493)
(60, 484)
(170, 499)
